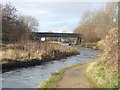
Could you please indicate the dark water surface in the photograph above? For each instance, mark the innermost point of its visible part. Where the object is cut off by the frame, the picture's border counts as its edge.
(33, 76)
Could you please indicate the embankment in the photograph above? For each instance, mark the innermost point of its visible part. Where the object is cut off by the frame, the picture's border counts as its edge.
(31, 53)
(104, 71)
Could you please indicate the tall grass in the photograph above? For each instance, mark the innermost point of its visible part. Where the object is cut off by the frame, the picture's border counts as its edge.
(29, 50)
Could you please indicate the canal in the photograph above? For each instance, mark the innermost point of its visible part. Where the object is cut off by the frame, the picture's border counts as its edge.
(31, 77)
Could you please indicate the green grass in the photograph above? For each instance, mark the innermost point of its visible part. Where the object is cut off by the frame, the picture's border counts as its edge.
(52, 81)
(102, 76)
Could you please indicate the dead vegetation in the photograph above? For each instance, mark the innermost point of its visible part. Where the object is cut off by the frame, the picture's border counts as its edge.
(95, 24)
(104, 72)
(109, 48)
(33, 51)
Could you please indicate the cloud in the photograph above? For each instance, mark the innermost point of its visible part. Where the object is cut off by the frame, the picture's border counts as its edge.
(42, 11)
(56, 16)
(58, 26)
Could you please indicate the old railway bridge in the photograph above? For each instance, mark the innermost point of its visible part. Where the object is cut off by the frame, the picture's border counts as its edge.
(40, 35)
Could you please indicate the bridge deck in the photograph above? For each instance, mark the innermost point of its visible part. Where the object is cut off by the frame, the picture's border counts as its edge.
(48, 34)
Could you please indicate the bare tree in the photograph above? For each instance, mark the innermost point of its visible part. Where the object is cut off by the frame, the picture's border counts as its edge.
(14, 27)
(9, 21)
(31, 22)
(95, 25)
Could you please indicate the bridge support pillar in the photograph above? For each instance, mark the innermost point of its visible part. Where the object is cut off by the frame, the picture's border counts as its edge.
(78, 40)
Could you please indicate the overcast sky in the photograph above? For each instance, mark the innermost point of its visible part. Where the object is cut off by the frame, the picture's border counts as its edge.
(56, 16)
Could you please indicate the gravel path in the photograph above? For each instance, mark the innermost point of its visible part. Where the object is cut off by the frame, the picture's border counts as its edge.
(75, 78)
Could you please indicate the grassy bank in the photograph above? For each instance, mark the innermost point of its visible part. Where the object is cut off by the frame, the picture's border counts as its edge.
(104, 72)
(55, 77)
(32, 52)
(97, 74)
(102, 76)
(52, 81)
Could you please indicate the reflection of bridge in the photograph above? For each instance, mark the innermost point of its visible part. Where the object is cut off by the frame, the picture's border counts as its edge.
(49, 34)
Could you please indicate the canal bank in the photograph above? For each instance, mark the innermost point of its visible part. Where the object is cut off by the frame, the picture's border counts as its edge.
(33, 53)
(70, 77)
(25, 78)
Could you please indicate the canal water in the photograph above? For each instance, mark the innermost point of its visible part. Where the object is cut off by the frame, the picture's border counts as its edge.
(31, 77)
